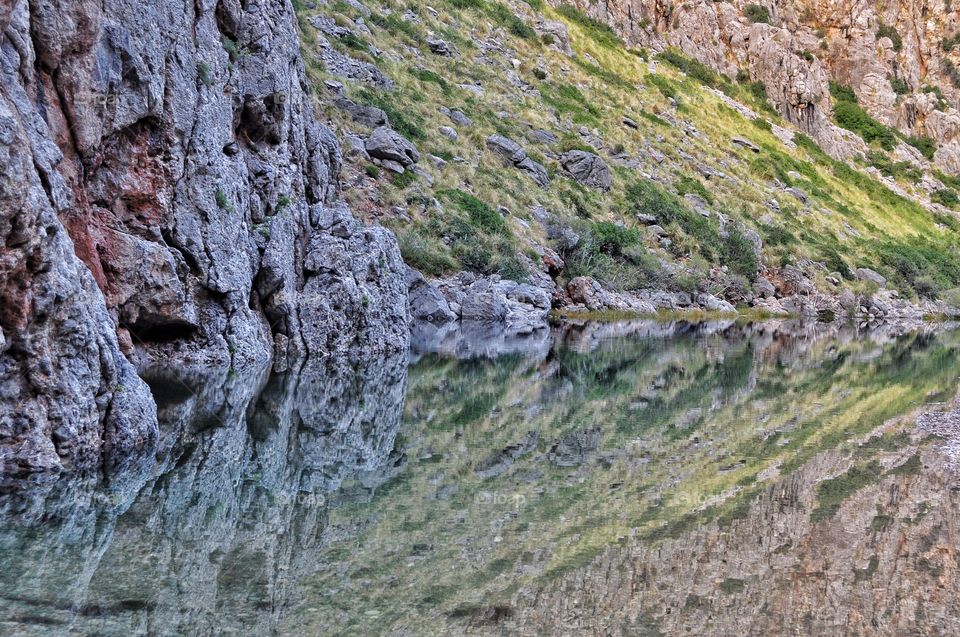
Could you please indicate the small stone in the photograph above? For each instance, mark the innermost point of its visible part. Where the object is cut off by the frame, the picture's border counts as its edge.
(745, 143)
(449, 133)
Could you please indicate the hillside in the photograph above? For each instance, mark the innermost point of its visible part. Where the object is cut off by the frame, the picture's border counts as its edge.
(549, 149)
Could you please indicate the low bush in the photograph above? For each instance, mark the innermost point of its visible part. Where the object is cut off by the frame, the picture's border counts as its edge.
(695, 69)
(408, 124)
(663, 85)
(757, 13)
(613, 239)
(691, 185)
(481, 215)
(502, 15)
(889, 31)
(842, 93)
(600, 31)
(850, 116)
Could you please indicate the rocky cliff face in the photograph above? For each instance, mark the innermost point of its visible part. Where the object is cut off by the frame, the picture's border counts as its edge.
(165, 195)
(896, 56)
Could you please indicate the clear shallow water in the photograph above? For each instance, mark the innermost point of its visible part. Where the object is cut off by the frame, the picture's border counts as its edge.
(624, 479)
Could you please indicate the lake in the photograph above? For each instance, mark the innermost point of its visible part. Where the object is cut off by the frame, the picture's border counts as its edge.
(605, 478)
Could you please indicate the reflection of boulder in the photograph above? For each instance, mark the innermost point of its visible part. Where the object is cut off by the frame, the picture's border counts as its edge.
(229, 517)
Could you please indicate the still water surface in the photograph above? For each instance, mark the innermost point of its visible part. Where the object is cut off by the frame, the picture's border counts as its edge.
(631, 478)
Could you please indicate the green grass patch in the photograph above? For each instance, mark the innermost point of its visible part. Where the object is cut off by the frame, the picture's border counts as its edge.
(833, 492)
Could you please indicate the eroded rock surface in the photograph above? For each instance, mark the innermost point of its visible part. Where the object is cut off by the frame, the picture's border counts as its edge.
(165, 194)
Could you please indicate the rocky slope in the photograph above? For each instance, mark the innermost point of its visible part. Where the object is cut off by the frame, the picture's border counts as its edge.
(166, 195)
(898, 57)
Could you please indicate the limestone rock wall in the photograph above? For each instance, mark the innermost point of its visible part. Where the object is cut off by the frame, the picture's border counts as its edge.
(165, 195)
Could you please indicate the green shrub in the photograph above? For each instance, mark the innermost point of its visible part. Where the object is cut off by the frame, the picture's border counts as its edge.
(926, 145)
(899, 86)
(613, 239)
(650, 198)
(738, 254)
(230, 46)
(806, 55)
(606, 75)
(600, 31)
(429, 256)
(691, 185)
(481, 215)
(404, 179)
(842, 93)
(372, 171)
(887, 31)
(695, 69)
(426, 75)
(945, 197)
(203, 74)
(762, 124)
(653, 119)
(850, 116)
(223, 202)
(466, 4)
(354, 42)
(832, 492)
(952, 41)
(663, 85)
(567, 98)
(950, 70)
(758, 90)
(882, 162)
(503, 16)
(408, 124)
(756, 13)
(393, 23)
(942, 102)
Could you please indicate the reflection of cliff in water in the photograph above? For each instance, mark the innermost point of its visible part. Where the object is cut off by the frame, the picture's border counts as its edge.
(211, 537)
(885, 565)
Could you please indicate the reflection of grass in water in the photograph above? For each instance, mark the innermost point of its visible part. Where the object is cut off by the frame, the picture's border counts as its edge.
(668, 478)
(831, 493)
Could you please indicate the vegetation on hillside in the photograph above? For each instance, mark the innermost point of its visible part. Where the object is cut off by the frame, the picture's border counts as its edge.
(510, 80)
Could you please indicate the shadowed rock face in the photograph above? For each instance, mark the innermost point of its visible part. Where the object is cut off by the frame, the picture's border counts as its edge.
(213, 536)
(165, 195)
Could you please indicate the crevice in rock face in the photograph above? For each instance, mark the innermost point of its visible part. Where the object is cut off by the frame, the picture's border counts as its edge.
(161, 332)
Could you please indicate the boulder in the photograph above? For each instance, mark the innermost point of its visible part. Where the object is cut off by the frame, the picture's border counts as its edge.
(441, 47)
(513, 153)
(386, 143)
(866, 274)
(506, 148)
(483, 302)
(574, 448)
(424, 302)
(764, 288)
(362, 114)
(458, 118)
(587, 168)
(745, 143)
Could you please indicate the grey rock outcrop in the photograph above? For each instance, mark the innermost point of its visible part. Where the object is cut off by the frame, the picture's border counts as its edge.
(587, 168)
(515, 155)
(424, 302)
(866, 274)
(386, 143)
(361, 113)
(164, 209)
